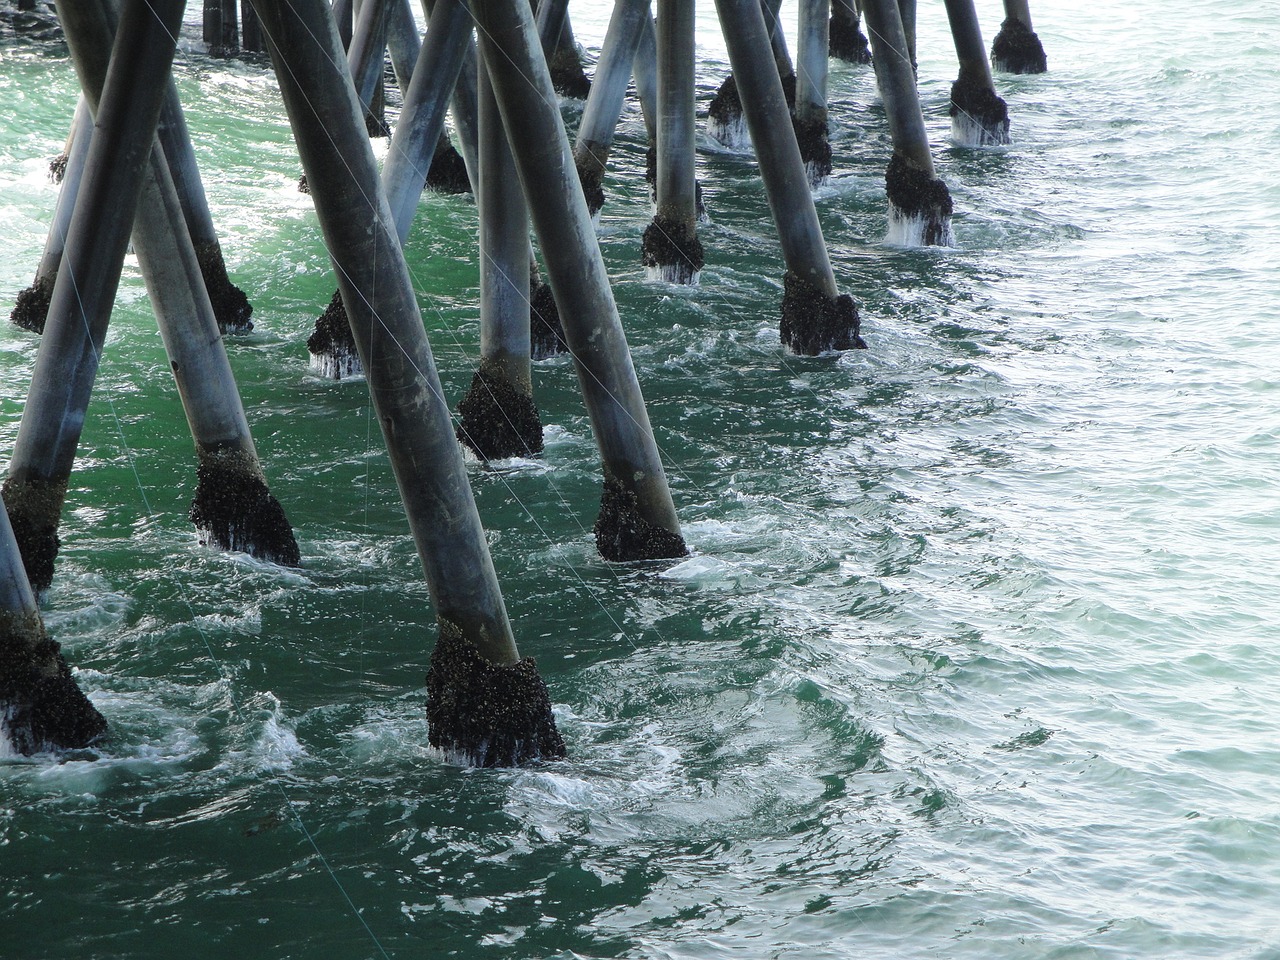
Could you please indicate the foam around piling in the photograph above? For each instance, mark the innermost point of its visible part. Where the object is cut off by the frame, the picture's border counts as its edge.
(847, 41)
(35, 508)
(919, 206)
(979, 117)
(487, 714)
(332, 346)
(815, 149)
(31, 309)
(497, 420)
(622, 534)
(671, 253)
(41, 707)
(231, 307)
(234, 510)
(545, 330)
(813, 323)
(1017, 49)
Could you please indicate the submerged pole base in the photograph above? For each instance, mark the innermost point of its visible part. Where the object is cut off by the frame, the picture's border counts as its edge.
(332, 347)
(35, 507)
(448, 171)
(919, 207)
(670, 253)
(623, 535)
(497, 420)
(231, 308)
(814, 323)
(545, 329)
(234, 510)
(979, 117)
(1017, 49)
(815, 150)
(484, 714)
(31, 309)
(847, 41)
(41, 707)
(726, 122)
(567, 76)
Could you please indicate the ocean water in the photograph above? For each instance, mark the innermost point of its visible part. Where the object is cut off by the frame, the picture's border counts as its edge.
(975, 655)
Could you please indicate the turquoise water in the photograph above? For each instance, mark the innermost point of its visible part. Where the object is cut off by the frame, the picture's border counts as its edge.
(976, 656)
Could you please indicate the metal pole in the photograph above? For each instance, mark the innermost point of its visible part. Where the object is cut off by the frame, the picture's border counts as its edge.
(671, 250)
(561, 50)
(725, 121)
(41, 707)
(331, 345)
(608, 92)
(483, 701)
(979, 117)
(498, 416)
(812, 54)
(815, 316)
(230, 305)
(84, 292)
(638, 518)
(32, 305)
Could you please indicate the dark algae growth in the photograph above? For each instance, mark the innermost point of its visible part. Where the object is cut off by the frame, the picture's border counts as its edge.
(35, 508)
(41, 708)
(496, 420)
(234, 510)
(490, 715)
(814, 323)
(1017, 49)
(622, 534)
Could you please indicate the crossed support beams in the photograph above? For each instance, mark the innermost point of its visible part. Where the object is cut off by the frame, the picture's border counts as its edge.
(126, 173)
(485, 703)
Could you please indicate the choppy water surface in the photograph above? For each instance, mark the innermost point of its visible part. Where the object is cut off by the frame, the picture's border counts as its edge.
(977, 652)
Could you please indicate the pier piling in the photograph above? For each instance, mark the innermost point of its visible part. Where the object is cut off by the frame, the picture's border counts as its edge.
(670, 249)
(84, 292)
(919, 202)
(32, 305)
(812, 53)
(231, 307)
(561, 50)
(499, 418)
(41, 706)
(1017, 48)
(608, 93)
(848, 42)
(404, 174)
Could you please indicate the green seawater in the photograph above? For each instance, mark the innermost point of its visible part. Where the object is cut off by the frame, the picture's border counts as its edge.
(976, 652)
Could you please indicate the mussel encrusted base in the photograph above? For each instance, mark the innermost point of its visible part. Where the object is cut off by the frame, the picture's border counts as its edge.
(622, 534)
(484, 713)
(814, 323)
